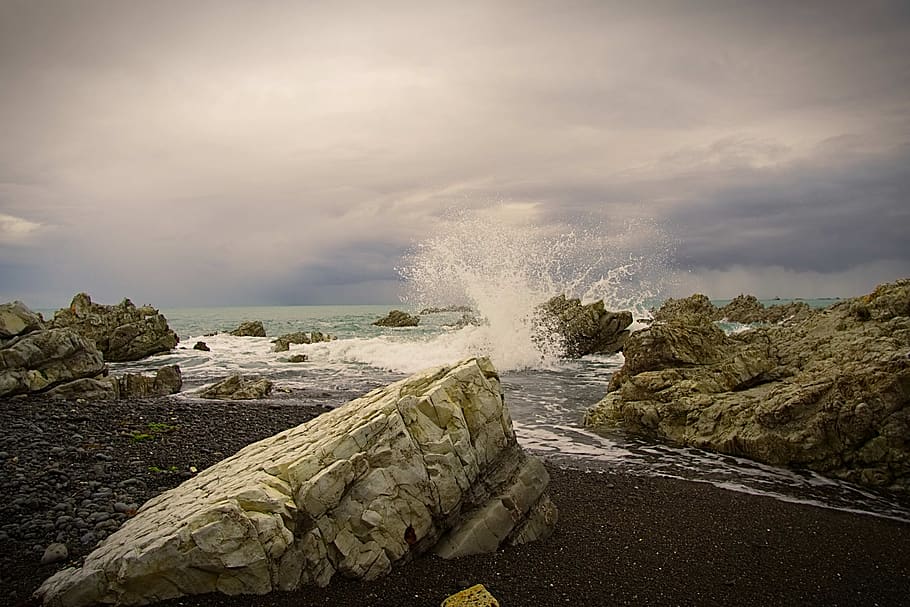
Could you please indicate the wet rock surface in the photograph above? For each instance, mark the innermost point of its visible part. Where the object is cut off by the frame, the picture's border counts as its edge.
(249, 328)
(397, 318)
(584, 329)
(830, 392)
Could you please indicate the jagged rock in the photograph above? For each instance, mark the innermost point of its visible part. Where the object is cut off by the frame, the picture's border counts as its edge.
(353, 491)
(475, 596)
(830, 392)
(238, 387)
(693, 310)
(122, 332)
(167, 380)
(201, 346)
(283, 343)
(17, 319)
(40, 360)
(397, 318)
(747, 309)
(298, 358)
(584, 329)
(249, 328)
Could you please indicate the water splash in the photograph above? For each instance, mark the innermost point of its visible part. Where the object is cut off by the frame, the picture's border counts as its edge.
(505, 269)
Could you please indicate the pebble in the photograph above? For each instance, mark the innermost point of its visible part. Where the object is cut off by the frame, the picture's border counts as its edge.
(54, 553)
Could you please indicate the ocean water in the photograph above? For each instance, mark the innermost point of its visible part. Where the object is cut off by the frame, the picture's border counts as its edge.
(502, 271)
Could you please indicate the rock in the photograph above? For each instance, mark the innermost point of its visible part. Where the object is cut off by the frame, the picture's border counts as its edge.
(238, 387)
(249, 328)
(95, 389)
(435, 310)
(829, 392)
(747, 309)
(475, 596)
(167, 380)
(583, 329)
(54, 553)
(201, 345)
(298, 358)
(693, 310)
(17, 319)
(122, 332)
(41, 360)
(354, 491)
(397, 318)
(282, 344)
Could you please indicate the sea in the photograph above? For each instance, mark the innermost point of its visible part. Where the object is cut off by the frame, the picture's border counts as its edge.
(502, 270)
(546, 395)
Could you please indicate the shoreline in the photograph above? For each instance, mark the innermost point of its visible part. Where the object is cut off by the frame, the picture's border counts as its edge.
(622, 539)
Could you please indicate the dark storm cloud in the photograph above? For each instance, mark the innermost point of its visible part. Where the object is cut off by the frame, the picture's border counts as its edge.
(218, 151)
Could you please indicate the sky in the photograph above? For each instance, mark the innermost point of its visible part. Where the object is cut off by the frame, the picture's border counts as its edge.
(243, 153)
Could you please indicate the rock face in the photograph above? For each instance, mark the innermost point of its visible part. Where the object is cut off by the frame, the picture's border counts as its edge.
(238, 387)
(40, 360)
(249, 328)
(397, 318)
(584, 329)
(830, 392)
(122, 332)
(430, 461)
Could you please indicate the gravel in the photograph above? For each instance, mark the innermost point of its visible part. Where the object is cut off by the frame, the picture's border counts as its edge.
(72, 472)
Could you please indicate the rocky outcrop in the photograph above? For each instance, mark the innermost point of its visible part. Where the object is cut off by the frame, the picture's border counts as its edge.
(41, 360)
(17, 319)
(166, 381)
(249, 328)
(397, 318)
(283, 343)
(428, 462)
(122, 332)
(238, 387)
(745, 309)
(830, 392)
(583, 329)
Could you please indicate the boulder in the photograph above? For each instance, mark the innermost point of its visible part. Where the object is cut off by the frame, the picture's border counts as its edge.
(397, 318)
(298, 358)
(201, 346)
(283, 343)
(41, 360)
(249, 328)
(122, 332)
(167, 380)
(238, 387)
(830, 392)
(475, 596)
(428, 462)
(583, 329)
(17, 319)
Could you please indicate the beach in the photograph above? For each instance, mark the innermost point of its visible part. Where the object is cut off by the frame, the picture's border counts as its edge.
(622, 538)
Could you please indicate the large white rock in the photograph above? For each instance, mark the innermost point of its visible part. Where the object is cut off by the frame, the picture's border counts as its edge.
(386, 476)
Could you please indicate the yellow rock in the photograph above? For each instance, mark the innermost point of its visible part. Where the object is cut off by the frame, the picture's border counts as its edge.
(475, 596)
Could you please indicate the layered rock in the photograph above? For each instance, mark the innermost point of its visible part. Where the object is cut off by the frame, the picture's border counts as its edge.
(249, 328)
(238, 387)
(166, 381)
(830, 392)
(397, 318)
(584, 329)
(428, 461)
(122, 332)
(40, 360)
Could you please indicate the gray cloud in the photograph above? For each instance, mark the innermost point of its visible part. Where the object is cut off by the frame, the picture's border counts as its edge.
(220, 152)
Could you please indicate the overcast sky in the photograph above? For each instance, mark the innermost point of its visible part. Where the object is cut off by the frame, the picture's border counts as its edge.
(202, 153)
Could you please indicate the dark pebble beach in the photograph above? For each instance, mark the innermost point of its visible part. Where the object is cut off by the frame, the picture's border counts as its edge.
(73, 472)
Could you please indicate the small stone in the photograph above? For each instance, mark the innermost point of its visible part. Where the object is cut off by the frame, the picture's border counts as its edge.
(121, 507)
(54, 553)
(475, 596)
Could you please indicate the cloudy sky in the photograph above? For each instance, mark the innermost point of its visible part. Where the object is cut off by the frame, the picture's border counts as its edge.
(194, 153)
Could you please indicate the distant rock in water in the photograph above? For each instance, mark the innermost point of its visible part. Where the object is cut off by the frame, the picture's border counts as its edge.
(397, 318)
(584, 329)
(122, 332)
(745, 309)
(462, 309)
(429, 463)
(298, 358)
(829, 392)
(237, 387)
(201, 346)
(249, 328)
(283, 343)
